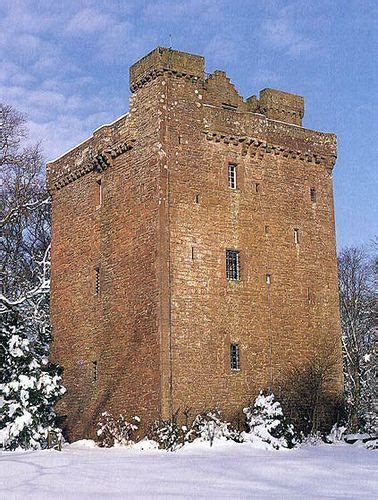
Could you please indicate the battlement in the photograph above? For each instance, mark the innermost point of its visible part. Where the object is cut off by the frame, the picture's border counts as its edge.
(274, 104)
(162, 59)
(282, 106)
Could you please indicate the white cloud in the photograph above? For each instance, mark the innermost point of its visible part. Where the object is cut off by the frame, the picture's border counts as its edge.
(178, 9)
(263, 77)
(14, 74)
(65, 131)
(281, 30)
(88, 21)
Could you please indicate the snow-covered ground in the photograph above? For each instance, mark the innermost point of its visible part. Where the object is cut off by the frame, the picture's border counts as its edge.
(227, 470)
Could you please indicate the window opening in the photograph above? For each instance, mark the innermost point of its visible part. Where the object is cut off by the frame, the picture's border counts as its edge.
(94, 371)
(234, 357)
(232, 265)
(232, 176)
(97, 270)
(99, 193)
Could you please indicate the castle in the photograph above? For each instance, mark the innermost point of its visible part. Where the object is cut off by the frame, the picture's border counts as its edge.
(193, 249)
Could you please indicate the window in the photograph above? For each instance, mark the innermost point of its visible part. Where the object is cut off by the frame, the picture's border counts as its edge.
(99, 193)
(266, 229)
(94, 371)
(296, 236)
(310, 296)
(257, 187)
(234, 357)
(197, 198)
(192, 253)
(97, 270)
(313, 194)
(268, 279)
(232, 265)
(232, 176)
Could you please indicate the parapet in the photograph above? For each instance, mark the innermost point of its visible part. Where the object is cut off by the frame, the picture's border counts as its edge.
(278, 105)
(162, 59)
(219, 98)
(274, 104)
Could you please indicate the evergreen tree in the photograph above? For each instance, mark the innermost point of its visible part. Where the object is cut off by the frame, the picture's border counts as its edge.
(30, 385)
(266, 423)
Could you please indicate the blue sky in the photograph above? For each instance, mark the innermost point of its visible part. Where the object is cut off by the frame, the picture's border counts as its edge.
(65, 64)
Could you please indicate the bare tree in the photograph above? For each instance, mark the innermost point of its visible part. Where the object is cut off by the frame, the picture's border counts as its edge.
(356, 272)
(24, 216)
(310, 394)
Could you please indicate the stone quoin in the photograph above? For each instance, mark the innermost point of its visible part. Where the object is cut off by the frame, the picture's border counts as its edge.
(193, 249)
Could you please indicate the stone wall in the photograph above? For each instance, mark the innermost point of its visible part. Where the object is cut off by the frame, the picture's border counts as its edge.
(162, 325)
(119, 327)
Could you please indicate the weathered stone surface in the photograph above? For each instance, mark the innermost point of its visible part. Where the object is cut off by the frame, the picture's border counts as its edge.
(161, 326)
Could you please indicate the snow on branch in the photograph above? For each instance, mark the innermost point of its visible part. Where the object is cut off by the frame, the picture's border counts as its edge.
(41, 289)
(30, 206)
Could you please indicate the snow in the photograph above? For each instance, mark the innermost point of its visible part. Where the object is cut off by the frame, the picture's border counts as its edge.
(267, 424)
(227, 470)
(17, 345)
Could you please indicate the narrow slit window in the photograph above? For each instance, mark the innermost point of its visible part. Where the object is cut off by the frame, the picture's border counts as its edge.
(94, 371)
(313, 194)
(234, 357)
(197, 198)
(232, 265)
(296, 236)
(268, 279)
(257, 188)
(98, 281)
(192, 253)
(232, 176)
(99, 193)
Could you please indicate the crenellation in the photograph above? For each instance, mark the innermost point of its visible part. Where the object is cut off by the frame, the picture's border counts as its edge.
(171, 62)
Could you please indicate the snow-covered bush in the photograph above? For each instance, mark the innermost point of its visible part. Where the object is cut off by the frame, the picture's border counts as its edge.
(372, 445)
(336, 434)
(208, 426)
(168, 434)
(120, 432)
(267, 424)
(30, 388)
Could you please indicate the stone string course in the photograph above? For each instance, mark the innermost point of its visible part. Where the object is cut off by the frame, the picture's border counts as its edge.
(100, 162)
(254, 146)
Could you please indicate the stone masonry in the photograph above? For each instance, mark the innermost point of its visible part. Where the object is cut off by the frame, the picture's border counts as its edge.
(142, 312)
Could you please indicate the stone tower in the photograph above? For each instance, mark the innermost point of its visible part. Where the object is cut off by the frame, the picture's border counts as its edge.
(193, 249)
